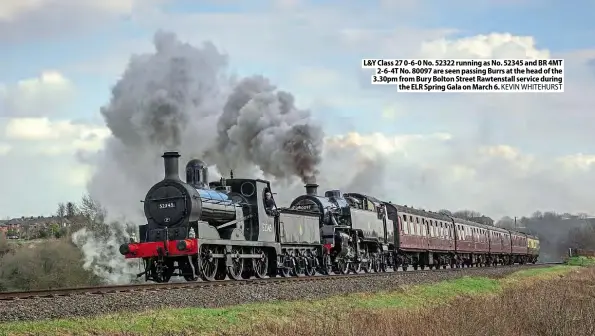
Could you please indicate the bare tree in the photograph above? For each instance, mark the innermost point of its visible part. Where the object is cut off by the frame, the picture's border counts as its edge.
(61, 212)
(71, 210)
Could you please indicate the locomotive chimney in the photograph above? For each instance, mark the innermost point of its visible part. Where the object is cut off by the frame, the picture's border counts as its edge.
(311, 189)
(170, 161)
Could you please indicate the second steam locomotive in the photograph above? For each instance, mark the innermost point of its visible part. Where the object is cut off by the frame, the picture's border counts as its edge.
(233, 228)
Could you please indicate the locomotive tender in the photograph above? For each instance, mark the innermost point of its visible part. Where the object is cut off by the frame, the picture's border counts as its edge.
(232, 228)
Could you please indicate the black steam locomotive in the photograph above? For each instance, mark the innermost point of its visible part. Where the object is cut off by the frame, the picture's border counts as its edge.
(232, 228)
(226, 228)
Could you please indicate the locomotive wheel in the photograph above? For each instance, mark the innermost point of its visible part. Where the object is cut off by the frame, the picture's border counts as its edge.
(165, 276)
(365, 267)
(382, 260)
(286, 269)
(310, 268)
(299, 266)
(285, 272)
(342, 266)
(327, 266)
(375, 262)
(260, 265)
(235, 270)
(161, 278)
(207, 264)
(422, 267)
(404, 267)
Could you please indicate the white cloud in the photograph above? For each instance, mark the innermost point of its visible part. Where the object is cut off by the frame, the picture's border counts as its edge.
(49, 137)
(495, 45)
(430, 171)
(11, 10)
(45, 154)
(38, 96)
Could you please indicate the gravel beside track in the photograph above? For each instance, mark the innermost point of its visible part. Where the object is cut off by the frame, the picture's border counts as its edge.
(217, 296)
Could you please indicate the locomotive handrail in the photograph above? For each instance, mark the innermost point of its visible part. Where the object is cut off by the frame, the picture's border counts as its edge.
(165, 198)
(235, 221)
(282, 210)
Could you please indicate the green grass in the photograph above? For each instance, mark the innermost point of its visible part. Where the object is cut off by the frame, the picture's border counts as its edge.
(580, 261)
(204, 321)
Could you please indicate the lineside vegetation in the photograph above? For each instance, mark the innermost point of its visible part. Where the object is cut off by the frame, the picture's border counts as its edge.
(537, 301)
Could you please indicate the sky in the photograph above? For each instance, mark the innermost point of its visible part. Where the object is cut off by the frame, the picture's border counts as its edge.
(501, 154)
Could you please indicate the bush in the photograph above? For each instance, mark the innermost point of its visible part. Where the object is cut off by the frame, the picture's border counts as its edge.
(4, 244)
(45, 265)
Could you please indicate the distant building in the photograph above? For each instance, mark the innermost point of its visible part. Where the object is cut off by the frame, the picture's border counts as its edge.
(28, 226)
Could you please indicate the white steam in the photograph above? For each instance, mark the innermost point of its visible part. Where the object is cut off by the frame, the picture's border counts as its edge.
(182, 98)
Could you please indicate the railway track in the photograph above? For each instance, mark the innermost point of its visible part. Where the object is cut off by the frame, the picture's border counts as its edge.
(34, 294)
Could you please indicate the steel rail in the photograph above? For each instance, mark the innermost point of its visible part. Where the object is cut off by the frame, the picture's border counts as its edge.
(110, 289)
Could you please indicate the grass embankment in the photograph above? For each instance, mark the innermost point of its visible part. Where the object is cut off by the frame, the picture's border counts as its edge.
(513, 305)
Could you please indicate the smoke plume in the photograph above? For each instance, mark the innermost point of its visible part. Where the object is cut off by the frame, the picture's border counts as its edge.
(262, 127)
(182, 97)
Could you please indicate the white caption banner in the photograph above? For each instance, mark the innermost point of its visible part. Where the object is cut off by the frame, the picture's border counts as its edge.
(468, 75)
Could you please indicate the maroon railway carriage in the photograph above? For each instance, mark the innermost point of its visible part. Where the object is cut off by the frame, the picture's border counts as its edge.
(518, 247)
(472, 245)
(429, 239)
(500, 246)
(423, 238)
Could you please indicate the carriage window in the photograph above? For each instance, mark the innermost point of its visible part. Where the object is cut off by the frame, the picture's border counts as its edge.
(411, 219)
(406, 228)
(417, 219)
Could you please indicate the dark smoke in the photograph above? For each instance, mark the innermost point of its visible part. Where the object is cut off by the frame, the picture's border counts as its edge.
(262, 127)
